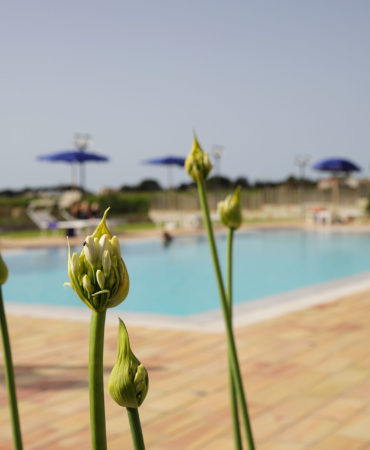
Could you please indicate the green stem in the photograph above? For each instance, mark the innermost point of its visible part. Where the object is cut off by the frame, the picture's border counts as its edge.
(233, 399)
(229, 250)
(229, 333)
(9, 377)
(96, 384)
(135, 426)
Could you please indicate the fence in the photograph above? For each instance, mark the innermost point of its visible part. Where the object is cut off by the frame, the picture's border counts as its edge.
(257, 199)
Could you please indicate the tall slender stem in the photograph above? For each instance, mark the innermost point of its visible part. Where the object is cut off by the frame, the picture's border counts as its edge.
(9, 377)
(229, 333)
(96, 385)
(229, 254)
(135, 426)
(233, 399)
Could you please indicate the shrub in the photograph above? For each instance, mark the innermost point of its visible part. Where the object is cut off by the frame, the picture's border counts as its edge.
(123, 203)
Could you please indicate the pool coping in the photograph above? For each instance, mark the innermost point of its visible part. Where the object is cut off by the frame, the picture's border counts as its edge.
(244, 314)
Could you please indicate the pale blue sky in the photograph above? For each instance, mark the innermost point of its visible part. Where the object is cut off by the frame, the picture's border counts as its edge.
(266, 79)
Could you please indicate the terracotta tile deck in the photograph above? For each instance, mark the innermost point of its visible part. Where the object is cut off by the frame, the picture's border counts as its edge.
(307, 376)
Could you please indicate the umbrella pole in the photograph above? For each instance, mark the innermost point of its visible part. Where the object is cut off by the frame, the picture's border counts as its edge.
(171, 199)
(336, 199)
(82, 176)
(73, 176)
(169, 176)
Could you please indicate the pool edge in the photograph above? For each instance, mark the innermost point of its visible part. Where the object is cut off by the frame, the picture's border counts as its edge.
(245, 313)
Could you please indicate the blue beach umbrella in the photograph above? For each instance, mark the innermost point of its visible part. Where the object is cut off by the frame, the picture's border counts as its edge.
(74, 157)
(336, 165)
(168, 161)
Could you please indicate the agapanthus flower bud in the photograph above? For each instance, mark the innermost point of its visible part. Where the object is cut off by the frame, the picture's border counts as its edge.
(99, 279)
(129, 381)
(104, 244)
(116, 246)
(3, 271)
(75, 263)
(87, 285)
(230, 210)
(197, 164)
(107, 263)
(90, 250)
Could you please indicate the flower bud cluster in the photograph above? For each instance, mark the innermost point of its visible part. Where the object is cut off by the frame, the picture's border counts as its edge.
(230, 210)
(99, 275)
(129, 381)
(198, 164)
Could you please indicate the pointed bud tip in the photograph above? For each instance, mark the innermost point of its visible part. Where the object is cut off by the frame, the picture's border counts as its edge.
(230, 210)
(198, 164)
(128, 382)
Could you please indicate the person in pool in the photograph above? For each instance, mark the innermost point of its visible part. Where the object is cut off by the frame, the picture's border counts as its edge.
(166, 238)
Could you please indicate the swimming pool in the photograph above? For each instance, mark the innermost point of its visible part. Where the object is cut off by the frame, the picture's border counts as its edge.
(179, 279)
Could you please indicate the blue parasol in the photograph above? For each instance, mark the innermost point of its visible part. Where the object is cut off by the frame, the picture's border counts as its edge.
(73, 156)
(168, 161)
(336, 165)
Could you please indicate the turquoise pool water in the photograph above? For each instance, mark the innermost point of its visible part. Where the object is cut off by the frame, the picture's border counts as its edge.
(179, 279)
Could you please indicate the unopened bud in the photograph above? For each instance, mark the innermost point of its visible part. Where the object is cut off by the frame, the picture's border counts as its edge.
(100, 278)
(104, 244)
(230, 210)
(87, 285)
(197, 164)
(129, 381)
(116, 247)
(75, 263)
(91, 251)
(107, 263)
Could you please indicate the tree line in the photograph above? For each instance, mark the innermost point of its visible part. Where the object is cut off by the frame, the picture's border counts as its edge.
(152, 185)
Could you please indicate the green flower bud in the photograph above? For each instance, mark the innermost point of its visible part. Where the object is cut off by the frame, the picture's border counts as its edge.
(90, 251)
(197, 164)
(129, 381)
(3, 271)
(104, 244)
(107, 263)
(116, 247)
(75, 263)
(99, 279)
(87, 285)
(230, 210)
(96, 242)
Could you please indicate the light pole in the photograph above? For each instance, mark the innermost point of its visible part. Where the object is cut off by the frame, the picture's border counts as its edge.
(82, 142)
(217, 152)
(302, 161)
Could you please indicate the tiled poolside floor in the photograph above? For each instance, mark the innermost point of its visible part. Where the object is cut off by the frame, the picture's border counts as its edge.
(307, 376)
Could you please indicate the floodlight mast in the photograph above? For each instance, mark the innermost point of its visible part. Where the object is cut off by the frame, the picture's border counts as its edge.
(302, 161)
(82, 141)
(217, 152)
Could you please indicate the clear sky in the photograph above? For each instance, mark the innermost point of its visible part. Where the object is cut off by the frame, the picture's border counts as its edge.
(267, 80)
